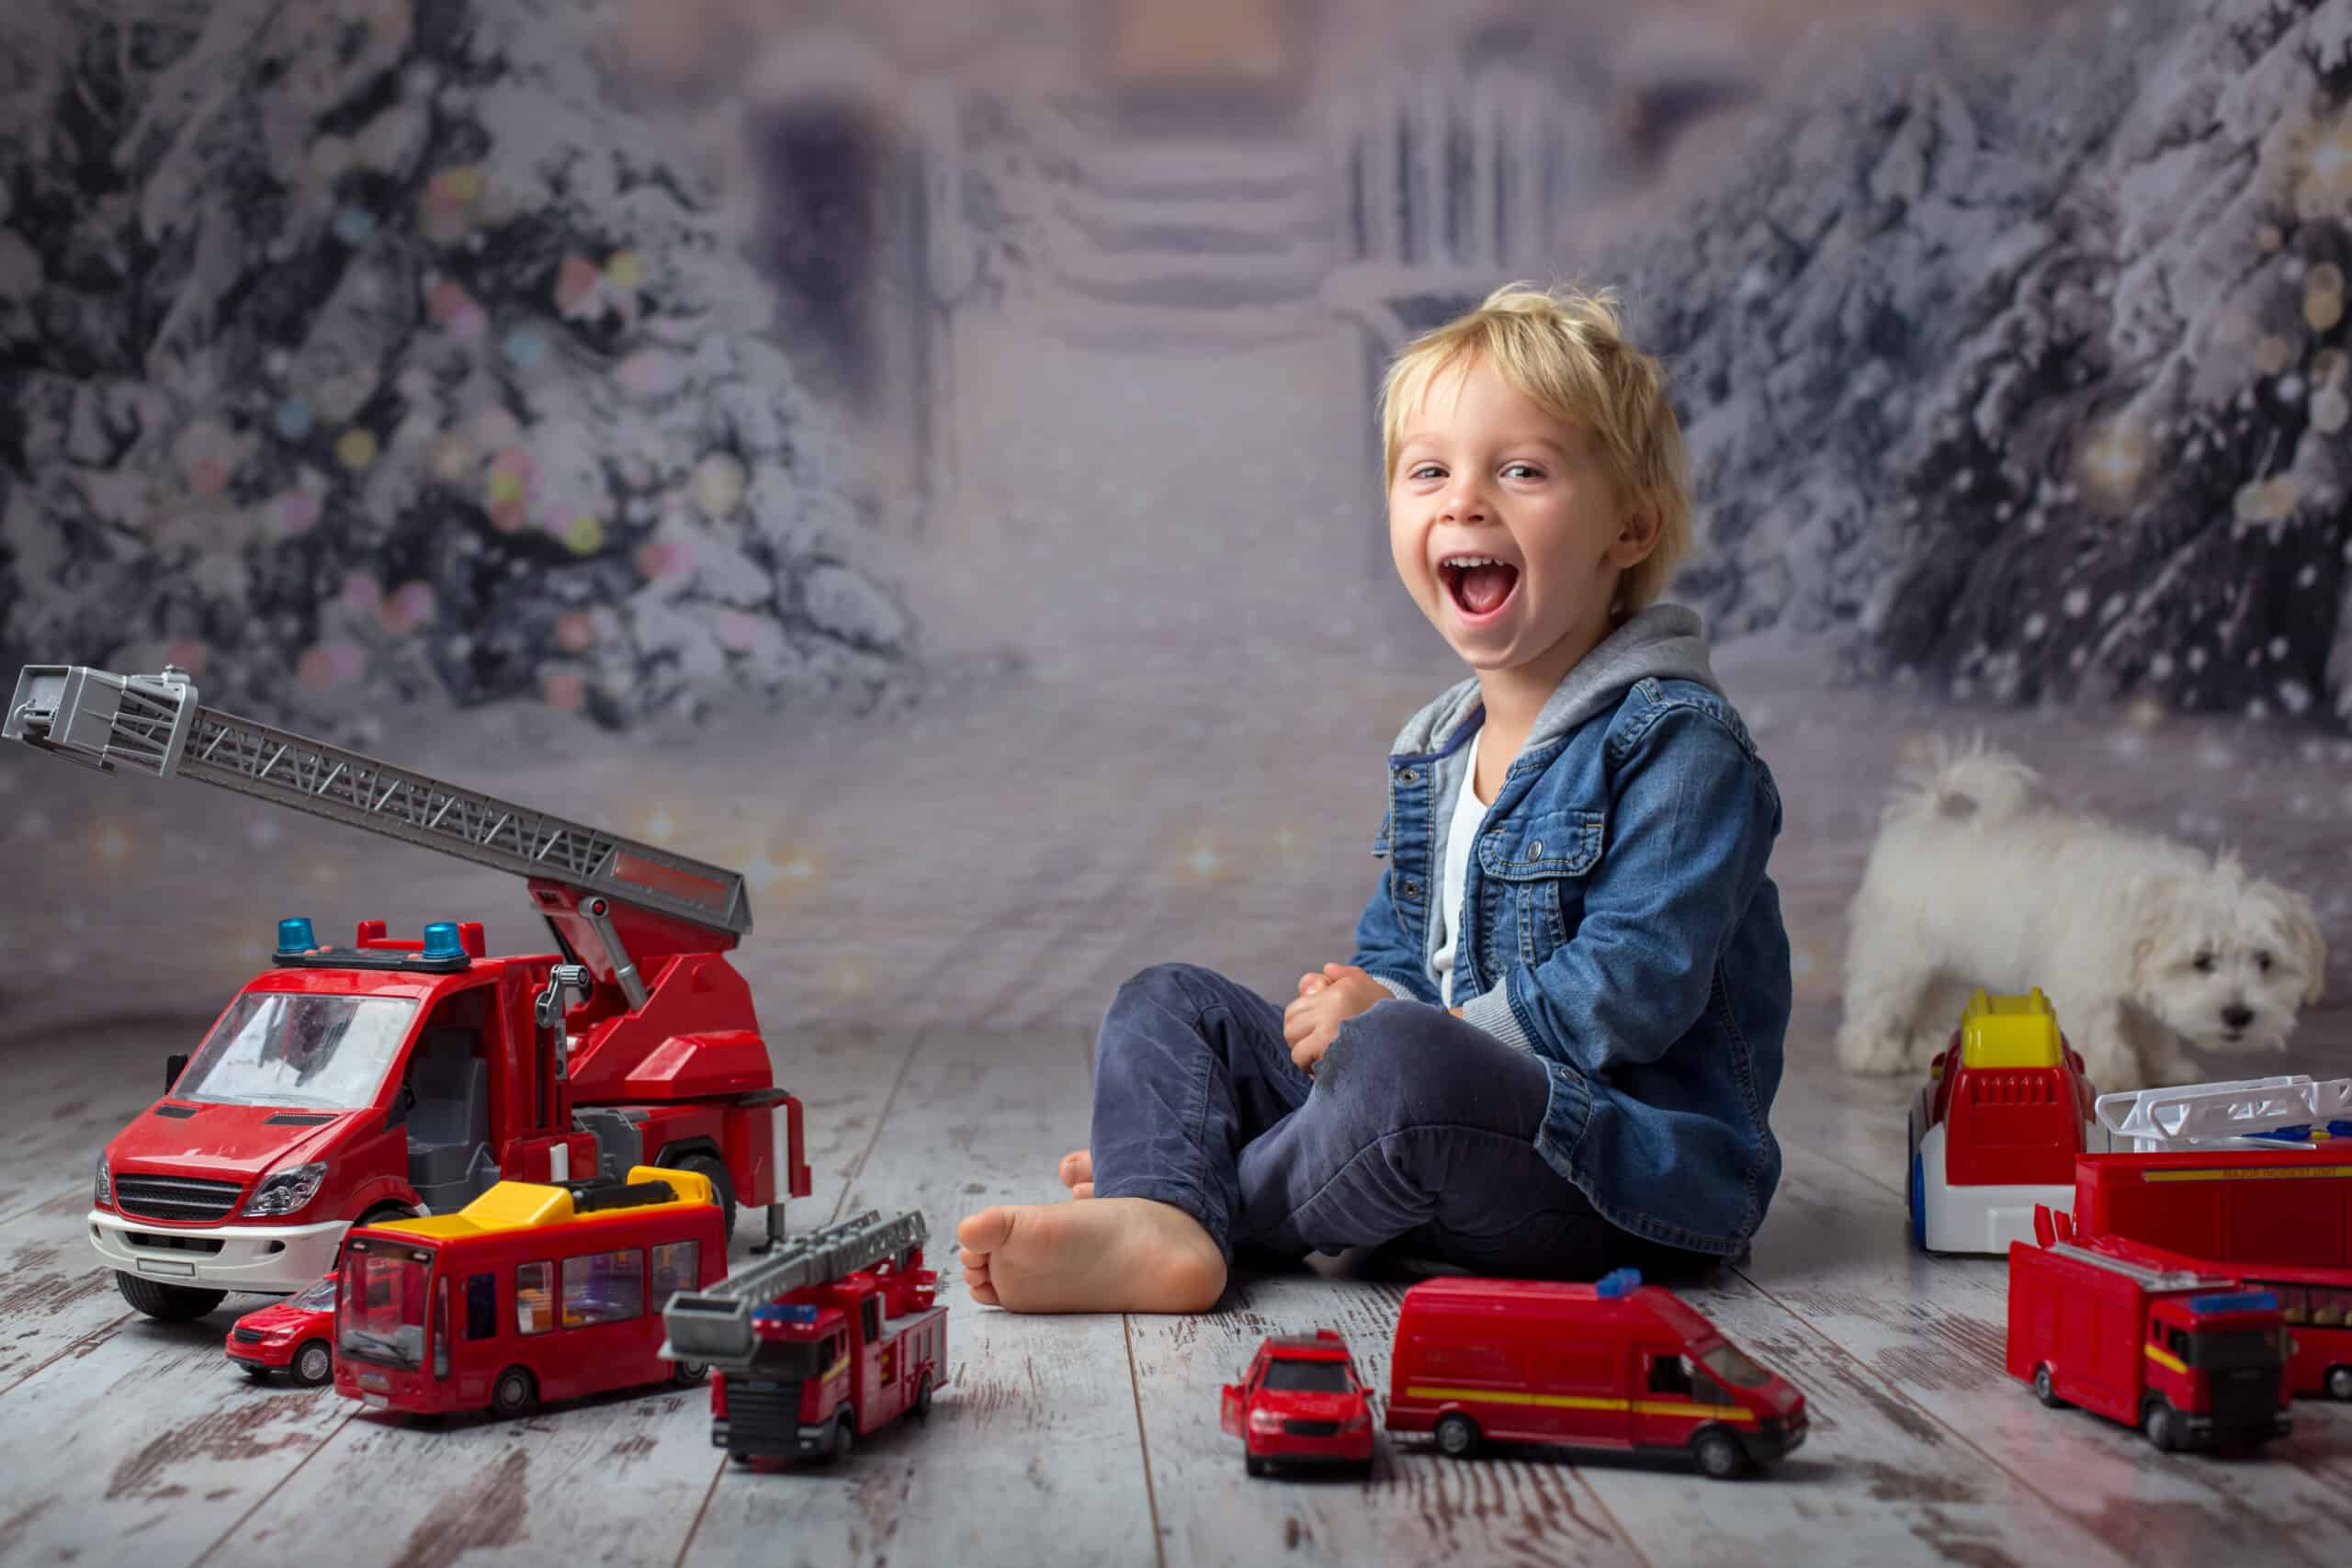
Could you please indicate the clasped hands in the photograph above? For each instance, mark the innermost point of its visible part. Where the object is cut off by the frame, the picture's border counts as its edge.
(1327, 998)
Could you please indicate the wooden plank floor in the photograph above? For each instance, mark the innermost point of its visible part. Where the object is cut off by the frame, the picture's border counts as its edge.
(1094, 1440)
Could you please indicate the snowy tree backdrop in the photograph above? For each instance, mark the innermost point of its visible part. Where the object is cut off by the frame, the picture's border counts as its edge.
(378, 349)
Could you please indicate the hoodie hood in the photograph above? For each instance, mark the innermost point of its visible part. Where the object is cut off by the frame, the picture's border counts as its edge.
(1662, 642)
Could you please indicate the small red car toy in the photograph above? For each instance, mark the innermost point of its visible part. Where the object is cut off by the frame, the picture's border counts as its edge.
(1301, 1403)
(295, 1336)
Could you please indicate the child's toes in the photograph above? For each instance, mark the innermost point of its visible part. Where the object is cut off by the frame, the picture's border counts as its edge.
(986, 1231)
(1077, 1165)
(1083, 1190)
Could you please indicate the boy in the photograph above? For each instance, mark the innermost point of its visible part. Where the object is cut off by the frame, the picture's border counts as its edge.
(1555, 1047)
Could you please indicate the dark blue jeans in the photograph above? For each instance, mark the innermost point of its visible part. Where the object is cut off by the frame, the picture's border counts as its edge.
(1417, 1132)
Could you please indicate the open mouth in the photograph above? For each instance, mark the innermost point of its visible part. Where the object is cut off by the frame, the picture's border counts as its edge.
(1478, 585)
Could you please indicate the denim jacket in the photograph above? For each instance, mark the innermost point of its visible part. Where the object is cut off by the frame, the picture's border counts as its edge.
(1617, 921)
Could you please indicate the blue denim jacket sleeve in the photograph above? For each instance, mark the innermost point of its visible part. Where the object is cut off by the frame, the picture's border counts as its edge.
(1693, 817)
(1384, 951)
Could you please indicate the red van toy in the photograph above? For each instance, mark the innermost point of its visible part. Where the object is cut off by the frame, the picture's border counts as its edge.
(295, 1336)
(1301, 1403)
(1618, 1364)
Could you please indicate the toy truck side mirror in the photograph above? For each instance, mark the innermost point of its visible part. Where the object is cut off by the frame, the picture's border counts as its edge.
(173, 1066)
(1230, 1408)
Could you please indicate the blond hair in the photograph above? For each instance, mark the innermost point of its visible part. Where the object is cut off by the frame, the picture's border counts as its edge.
(1565, 350)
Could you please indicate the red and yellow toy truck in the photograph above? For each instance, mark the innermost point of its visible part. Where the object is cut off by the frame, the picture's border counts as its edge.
(1618, 1364)
(2148, 1338)
(397, 1077)
(828, 1338)
(2003, 1115)
(535, 1291)
(1301, 1402)
(295, 1336)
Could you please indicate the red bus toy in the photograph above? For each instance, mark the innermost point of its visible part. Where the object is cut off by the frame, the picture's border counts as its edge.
(1618, 1364)
(831, 1337)
(295, 1336)
(535, 1292)
(1301, 1402)
(2316, 1306)
(2148, 1338)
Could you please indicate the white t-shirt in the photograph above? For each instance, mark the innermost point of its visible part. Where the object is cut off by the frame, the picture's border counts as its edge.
(1469, 811)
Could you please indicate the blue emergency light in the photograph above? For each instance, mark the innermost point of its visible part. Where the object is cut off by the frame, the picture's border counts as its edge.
(784, 1311)
(1618, 1282)
(441, 940)
(295, 936)
(2234, 1301)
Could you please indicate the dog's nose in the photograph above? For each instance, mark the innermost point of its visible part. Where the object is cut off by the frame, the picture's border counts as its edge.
(2237, 1015)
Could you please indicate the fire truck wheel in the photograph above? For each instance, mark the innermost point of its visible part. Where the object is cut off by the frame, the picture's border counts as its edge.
(2339, 1382)
(1457, 1435)
(514, 1393)
(703, 1166)
(166, 1303)
(690, 1374)
(923, 1399)
(843, 1437)
(2157, 1423)
(1719, 1454)
(313, 1364)
(2043, 1390)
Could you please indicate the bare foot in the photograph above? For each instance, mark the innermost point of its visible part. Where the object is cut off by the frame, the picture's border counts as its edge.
(1078, 1172)
(1105, 1255)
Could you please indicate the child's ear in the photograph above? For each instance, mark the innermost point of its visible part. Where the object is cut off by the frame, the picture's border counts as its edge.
(1637, 532)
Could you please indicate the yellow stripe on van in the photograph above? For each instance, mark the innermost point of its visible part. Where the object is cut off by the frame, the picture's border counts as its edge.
(1580, 1402)
(2166, 1359)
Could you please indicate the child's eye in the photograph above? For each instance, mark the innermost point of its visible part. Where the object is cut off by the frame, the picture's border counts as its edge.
(1521, 470)
(1425, 471)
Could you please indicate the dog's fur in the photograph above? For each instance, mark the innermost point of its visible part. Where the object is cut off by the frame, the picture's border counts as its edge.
(2141, 944)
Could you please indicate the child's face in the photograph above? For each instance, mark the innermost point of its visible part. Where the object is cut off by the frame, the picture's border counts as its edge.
(1484, 471)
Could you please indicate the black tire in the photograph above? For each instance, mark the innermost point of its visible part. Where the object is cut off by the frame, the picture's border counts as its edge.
(923, 1399)
(313, 1364)
(720, 1183)
(515, 1393)
(1719, 1454)
(1457, 1435)
(166, 1303)
(688, 1374)
(2044, 1390)
(383, 1212)
(844, 1438)
(2159, 1426)
(2339, 1382)
(1254, 1465)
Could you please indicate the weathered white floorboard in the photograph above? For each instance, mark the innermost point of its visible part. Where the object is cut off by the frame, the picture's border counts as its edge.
(1031, 1452)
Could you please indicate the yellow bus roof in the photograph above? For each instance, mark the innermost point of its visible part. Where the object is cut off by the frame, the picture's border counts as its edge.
(2010, 1031)
(529, 1205)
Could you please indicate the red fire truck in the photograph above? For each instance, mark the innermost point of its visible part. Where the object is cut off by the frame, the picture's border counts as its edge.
(2148, 1338)
(394, 1078)
(830, 1336)
(535, 1292)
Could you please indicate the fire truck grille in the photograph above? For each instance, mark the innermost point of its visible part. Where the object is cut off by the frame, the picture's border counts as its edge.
(762, 1416)
(176, 1197)
(1312, 1428)
(247, 1336)
(2245, 1400)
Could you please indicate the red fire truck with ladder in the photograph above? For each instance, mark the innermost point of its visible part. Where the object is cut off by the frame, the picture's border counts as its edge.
(395, 1077)
(826, 1338)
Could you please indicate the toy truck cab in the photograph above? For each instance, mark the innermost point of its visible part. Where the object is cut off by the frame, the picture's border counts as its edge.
(1617, 1364)
(2005, 1113)
(1302, 1401)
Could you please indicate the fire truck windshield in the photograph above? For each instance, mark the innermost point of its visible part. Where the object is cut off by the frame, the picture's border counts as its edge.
(2234, 1351)
(1308, 1377)
(382, 1315)
(1733, 1367)
(284, 1048)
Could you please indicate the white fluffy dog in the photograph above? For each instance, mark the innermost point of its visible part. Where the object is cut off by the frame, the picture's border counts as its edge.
(2139, 943)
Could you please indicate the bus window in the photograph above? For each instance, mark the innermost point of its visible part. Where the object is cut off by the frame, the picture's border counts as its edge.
(2294, 1302)
(481, 1307)
(534, 1298)
(441, 1327)
(676, 1267)
(602, 1287)
(2327, 1306)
